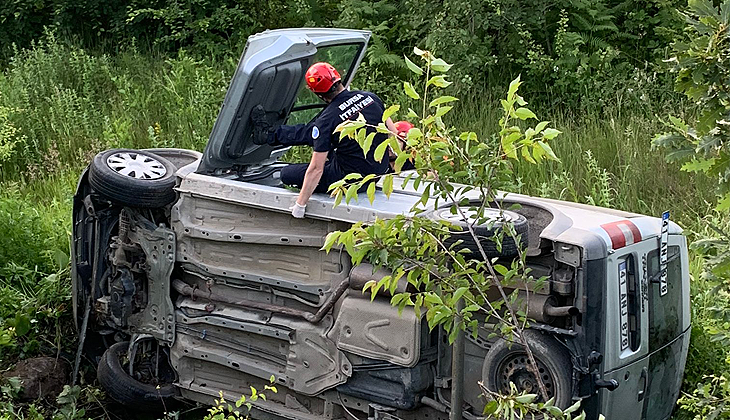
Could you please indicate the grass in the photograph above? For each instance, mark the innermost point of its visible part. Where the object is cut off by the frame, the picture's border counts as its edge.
(59, 105)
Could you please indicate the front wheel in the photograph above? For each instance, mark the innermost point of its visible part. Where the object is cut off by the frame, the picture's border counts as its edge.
(508, 362)
(152, 395)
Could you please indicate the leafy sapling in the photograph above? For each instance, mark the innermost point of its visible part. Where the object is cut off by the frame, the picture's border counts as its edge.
(456, 171)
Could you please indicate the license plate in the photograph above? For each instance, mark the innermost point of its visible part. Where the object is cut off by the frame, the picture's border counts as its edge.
(663, 249)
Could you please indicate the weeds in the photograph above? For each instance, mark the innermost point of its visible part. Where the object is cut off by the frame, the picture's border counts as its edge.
(60, 104)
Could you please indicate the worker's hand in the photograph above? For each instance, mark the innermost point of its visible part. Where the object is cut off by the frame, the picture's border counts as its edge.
(297, 210)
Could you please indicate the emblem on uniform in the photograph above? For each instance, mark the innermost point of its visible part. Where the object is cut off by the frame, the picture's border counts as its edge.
(315, 132)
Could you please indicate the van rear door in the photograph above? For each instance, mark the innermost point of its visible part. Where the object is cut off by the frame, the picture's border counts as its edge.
(646, 333)
(669, 323)
(626, 330)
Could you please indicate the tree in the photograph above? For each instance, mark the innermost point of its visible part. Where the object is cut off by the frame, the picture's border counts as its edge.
(459, 171)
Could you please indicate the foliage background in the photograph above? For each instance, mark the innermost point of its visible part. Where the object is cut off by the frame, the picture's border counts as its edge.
(80, 76)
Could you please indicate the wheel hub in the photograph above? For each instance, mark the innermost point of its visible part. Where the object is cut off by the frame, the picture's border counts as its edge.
(516, 370)
(136, 165)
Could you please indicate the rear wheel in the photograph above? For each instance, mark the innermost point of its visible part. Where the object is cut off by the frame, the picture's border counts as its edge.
(134, 178)
(141, 392)
(492, 224)
(508, 362)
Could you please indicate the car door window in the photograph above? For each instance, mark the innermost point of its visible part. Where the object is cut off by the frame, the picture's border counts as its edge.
(308, 105)
(665, 312)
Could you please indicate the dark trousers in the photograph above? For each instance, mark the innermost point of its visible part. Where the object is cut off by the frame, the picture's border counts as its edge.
(294, 174)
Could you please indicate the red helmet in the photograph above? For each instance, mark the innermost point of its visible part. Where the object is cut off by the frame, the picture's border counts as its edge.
(321, 76)
(403, 127)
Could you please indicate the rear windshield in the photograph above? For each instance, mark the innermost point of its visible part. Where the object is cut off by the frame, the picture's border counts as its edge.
(307, 104)
(665, 312)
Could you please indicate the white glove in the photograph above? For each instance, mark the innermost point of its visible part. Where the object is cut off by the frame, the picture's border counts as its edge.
(297, 210)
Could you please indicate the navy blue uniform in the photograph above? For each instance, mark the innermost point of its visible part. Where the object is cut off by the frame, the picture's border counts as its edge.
(345, 156)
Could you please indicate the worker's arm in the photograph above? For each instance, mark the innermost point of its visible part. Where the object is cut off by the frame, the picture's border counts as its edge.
(312, 177)
(391, 126)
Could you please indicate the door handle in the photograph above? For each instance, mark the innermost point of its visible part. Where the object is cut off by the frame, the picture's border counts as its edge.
(643, 383)
(599, 383)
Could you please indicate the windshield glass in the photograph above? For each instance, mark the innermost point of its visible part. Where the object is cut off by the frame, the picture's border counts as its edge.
(307, 104)
(665, 312)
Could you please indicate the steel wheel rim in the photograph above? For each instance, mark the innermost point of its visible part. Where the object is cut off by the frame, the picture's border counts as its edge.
(489, 216)
(136, 165)
(514, 369)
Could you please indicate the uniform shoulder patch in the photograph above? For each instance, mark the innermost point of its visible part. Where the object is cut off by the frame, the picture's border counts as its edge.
(315, 132)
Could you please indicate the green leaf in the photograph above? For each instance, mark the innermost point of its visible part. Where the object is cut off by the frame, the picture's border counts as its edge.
(513, 86)
(390, 111)
(388, 185)
(338, 198)
(551, 133)
(526, 398)
(438, 81)
(442, 110)
(442, 100)
(459, 293)
(526, 155)
(413, 67)
(440, 65)
(411, 113)
(330, 240)
(22, 324)
(350, 177)
(410, 91)
(419, 52)
(524, 113)
(351, 193)
(698, 165)
(499, 268)
(367, 144)
(371, 192)
(400, 161)
(572, 408)
(548, 150)
(490, 408)
(541, 126)
(724, 203)
(382, 128)
(380, 151)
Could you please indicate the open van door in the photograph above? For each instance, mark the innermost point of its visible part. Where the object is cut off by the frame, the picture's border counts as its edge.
(271, 73)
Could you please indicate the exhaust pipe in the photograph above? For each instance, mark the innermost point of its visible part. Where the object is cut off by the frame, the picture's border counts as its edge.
(542, 308)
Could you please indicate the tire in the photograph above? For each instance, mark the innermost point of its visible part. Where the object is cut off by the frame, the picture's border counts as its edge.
(507, 362)
(485, 231)
(149, 182)
(126, 390)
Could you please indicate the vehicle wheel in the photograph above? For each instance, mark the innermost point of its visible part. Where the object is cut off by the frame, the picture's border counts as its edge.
(495, 222)
(126, 390)
(133, 177)
(507, 362)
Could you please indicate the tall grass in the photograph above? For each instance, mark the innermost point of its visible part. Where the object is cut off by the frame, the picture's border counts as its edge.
(606, 159)
(59, 105)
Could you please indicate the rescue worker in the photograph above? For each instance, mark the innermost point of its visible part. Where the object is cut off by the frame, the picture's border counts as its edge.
(402, 128)
(332, 157)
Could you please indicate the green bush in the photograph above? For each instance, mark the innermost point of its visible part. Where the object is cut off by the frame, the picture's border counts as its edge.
(59, 105)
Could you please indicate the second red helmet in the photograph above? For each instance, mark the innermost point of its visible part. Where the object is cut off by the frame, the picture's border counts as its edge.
(403, 128)
(321, 76)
